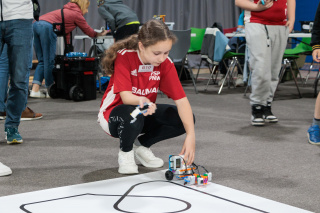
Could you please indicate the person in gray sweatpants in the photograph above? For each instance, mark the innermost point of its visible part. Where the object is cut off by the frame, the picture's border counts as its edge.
(267, 28)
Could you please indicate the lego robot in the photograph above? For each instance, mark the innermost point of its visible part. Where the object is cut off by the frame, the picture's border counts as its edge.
(189, 174)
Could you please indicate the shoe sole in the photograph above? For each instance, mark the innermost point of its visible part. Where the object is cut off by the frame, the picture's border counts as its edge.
(271, 121)
(127, 173)
(5, 173)
(257, 124)
(31, 119)
(312, 142)
(36, 97)
(15, 142)
(145, 164)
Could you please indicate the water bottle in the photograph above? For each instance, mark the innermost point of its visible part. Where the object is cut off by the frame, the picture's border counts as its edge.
(76, 54)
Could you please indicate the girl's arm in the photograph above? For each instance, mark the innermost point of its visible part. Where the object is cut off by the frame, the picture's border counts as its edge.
(130, 99)
(186, 115)
(251, 6)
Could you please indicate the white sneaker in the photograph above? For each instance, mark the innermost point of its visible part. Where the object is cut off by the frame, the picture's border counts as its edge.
(4, 170)
(127, 165)
(145, 156)
(38, 94)
(47, 95)
(239, 81)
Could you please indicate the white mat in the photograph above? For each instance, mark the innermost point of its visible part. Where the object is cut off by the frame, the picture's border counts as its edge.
(143, 193)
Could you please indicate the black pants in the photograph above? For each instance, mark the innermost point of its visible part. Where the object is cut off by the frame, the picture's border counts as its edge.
(126, 31)
(165, 123)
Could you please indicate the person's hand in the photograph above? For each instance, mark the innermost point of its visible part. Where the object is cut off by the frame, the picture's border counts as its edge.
(103, 33)
(290, 24)
(316, 55)
(267, 5)
(152, 107)
(188, 149)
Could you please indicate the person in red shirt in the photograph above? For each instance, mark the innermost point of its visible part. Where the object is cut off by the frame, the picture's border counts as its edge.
(45, 39)
(267, 27)
(140, 67)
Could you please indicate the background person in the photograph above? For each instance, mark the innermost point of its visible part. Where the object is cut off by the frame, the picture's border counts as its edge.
(45, 39)
(266, 28)
(27, 114)
(16, 32)
(140, 67)
(121, 20)
(314, 130)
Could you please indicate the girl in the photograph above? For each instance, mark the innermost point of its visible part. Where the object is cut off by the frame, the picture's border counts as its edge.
(45, 39)
(140, 67)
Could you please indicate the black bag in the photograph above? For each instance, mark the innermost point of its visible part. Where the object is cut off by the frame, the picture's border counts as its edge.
(36, 9)
(59, 30)
(68, 48)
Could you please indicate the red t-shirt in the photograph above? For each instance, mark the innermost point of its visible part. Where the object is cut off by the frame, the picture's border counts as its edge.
(130, 74)
(275, 15)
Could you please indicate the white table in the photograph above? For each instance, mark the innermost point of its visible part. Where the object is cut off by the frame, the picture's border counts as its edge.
(291, 35)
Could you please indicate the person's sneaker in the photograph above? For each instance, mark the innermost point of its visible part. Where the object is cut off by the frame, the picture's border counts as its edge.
(314, 134)
(268, 115)
(13, 136)
(257, 115)
(239, 82)
(47, 94)
(127, 165)
(3, 115)
(38, 94)
(4, 170)
(29, 115)
(145, 156)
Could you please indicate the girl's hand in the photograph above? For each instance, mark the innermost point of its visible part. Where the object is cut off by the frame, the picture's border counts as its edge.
(152, 107)
(188, 149)
(316, 55)
(267, 5)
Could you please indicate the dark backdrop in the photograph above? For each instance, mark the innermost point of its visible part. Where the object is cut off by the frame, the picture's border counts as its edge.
(185, 13)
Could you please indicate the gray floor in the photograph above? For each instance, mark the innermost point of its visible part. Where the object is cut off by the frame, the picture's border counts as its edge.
(68, 147)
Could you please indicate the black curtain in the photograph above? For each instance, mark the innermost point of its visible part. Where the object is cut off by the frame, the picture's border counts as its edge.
(184, 13)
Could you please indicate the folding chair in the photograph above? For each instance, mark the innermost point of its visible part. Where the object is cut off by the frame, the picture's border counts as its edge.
(287, 60)
(303, 48)
(207, 51)
(234, 57)
(178, 53)
(197, 35)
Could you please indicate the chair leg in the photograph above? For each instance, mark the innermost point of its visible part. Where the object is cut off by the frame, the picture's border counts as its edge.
(248, 83)
(299, 73)
(227, 76)
(281, 74)
(192, 78)
(295, 80)
(199, 69)
(181, 70)
(310, 68)
(211, 76)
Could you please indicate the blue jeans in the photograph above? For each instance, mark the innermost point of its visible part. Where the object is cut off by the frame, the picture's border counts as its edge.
(45, 47)
(17, 34)
(4, 76)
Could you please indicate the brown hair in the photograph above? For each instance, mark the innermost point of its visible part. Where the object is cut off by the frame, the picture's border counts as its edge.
(150, 33)
(83, 4)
